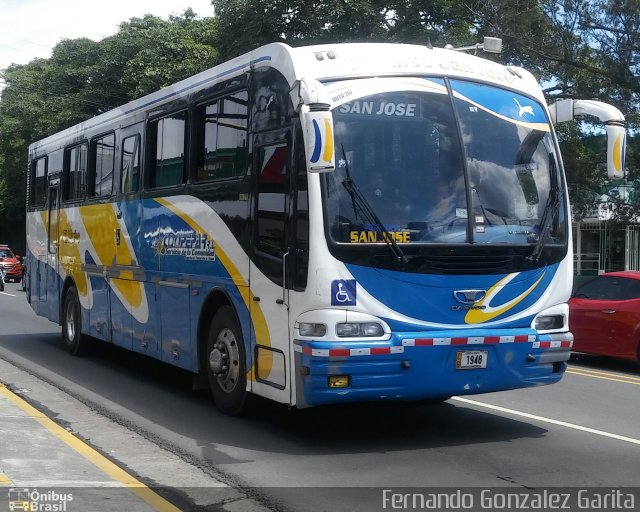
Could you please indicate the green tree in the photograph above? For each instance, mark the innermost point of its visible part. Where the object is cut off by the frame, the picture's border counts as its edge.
(84, 78)
(257, 22)
(579, 48)
(149, 53)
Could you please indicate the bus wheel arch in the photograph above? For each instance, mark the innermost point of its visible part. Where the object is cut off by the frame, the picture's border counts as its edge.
(71, 320)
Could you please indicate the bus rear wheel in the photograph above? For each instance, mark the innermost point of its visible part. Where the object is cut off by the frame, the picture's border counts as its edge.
(226, 368)
(72, 335)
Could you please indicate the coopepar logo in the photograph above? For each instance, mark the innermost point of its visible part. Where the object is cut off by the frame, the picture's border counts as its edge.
(188, 244)
(32, 500)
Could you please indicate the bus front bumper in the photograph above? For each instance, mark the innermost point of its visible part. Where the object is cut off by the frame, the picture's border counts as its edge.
(417, 366)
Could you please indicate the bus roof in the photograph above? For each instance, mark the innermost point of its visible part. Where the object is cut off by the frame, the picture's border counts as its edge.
(323, 63)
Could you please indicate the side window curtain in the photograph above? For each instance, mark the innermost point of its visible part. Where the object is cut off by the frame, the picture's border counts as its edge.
(168, 136)
(271, 208)
(222, 138)
(103, 157)
(76, 172)
(130, 168)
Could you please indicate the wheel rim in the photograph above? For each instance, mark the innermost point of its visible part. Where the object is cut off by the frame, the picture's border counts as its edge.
(224, 360)
(70, 323)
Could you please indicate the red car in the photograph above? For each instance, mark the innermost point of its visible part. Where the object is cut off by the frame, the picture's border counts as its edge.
(11, 264)
(604, 316)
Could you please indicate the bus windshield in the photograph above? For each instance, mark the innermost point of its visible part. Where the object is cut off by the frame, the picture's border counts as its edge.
(443, 162)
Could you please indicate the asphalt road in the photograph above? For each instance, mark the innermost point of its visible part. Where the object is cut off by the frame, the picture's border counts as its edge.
(583, 432)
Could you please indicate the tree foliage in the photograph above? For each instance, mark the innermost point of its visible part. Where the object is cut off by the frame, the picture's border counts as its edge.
(579, 48)
(257, 22)
(84, 78)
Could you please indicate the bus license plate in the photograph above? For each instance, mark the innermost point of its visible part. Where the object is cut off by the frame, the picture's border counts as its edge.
(471, 359)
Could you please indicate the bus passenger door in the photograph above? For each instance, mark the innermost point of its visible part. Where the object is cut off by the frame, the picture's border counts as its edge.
(269, 301)
(49, 281)
(128, 303)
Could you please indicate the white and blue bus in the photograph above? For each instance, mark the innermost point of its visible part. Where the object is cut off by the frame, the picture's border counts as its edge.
(316, 225)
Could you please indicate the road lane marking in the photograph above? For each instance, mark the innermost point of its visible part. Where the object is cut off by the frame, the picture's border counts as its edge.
(588, 370)
(548, 420)
(156, 501)
(624, 379)
(8, 294)
(5, 481)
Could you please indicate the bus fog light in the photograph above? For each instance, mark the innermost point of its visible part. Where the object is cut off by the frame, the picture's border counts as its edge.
(359, 329)
(310, 329)
(548, 322)
(339, 381)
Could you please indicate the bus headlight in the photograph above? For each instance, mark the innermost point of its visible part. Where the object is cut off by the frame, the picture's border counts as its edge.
(549, 322)
(313, 330)
(555, 318)
(359, 330)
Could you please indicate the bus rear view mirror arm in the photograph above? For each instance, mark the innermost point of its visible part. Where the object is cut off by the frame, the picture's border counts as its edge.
(569, 109)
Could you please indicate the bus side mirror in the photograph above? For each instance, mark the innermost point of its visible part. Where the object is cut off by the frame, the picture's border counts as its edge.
(568, 109)
(616, 136)
(317, 126)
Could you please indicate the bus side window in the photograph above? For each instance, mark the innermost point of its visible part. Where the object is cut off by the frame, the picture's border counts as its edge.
(221, 135)
(39, 182)
(270, 100)
(52, 226)
(102, 164)
(301, 220)
(271, 216)
(168, 137)
(130, 168)
(76, 172)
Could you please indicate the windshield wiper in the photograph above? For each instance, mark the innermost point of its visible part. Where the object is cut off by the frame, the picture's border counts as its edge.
(360, 202)
(550, 211)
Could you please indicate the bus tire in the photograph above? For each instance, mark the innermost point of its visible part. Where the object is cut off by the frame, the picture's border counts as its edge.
(434, 400)
(225, 363)
(74, 340)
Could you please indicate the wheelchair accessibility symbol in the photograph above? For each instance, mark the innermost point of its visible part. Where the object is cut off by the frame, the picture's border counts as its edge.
(343, 292)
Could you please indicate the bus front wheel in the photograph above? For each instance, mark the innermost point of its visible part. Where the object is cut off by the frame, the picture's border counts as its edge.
(225, 363)
(72, 324)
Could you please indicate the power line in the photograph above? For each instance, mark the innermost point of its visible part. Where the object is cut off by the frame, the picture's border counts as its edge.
(13, 48)
(25, 41)
(122, 99)
(63, 96)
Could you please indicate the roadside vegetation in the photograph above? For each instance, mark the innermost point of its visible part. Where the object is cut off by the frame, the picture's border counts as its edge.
(576, 48)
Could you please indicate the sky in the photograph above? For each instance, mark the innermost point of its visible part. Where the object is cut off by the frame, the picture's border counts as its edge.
(31, 28)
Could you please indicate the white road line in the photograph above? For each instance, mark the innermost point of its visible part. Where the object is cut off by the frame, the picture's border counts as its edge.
(7, 294)
(548, 420)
